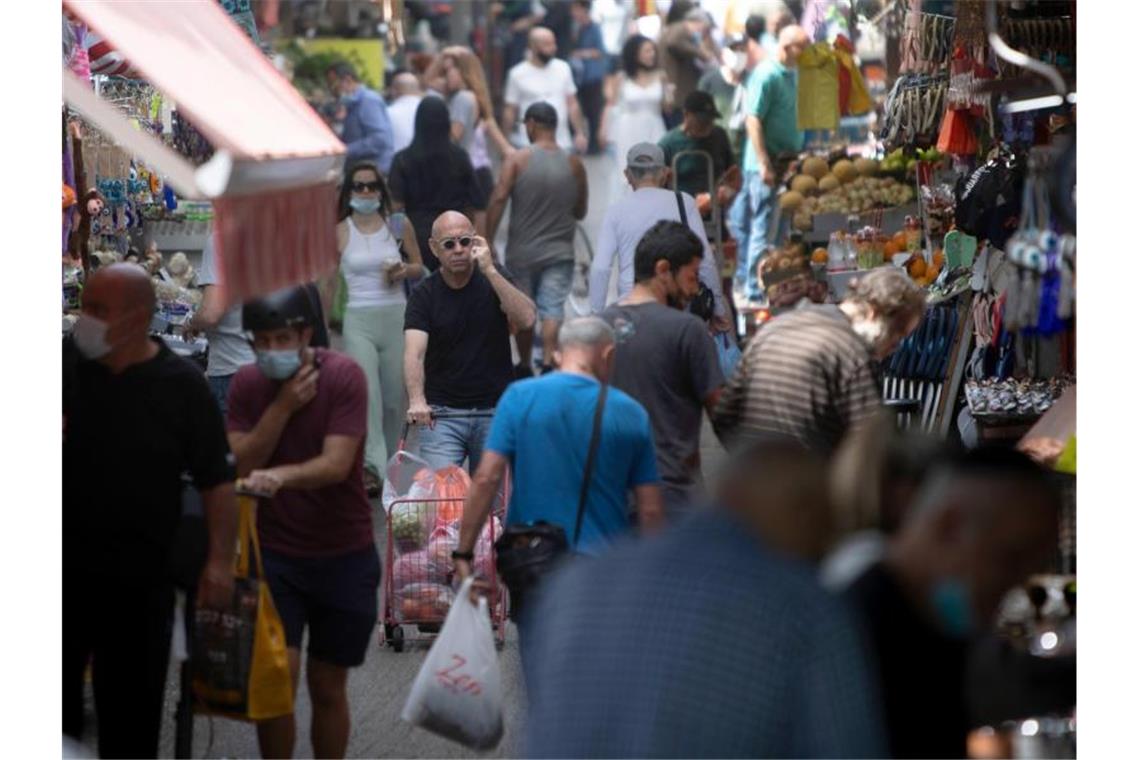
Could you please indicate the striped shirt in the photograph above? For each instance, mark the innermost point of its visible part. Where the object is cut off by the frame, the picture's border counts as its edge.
(806, 375)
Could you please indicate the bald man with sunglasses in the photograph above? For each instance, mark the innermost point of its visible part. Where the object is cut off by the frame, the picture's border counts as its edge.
(457, 349)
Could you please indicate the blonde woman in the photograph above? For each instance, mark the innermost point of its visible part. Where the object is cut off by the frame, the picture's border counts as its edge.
(459, 74)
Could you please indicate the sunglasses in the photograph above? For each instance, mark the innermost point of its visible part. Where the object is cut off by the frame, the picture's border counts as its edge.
(366, 187)
(450, 243)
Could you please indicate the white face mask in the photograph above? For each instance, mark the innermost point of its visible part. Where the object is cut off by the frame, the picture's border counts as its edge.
(871, 331)
(90, 335)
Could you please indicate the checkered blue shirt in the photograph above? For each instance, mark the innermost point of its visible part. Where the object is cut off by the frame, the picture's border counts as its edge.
(699, 643)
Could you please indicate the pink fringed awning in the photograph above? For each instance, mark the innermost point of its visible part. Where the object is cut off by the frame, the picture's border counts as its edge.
(271, 183)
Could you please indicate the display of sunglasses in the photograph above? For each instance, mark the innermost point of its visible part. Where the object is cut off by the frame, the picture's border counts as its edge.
(366, 187)
(449, 243)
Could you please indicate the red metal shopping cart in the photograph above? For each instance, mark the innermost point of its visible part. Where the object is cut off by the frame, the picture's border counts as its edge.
(422, 529)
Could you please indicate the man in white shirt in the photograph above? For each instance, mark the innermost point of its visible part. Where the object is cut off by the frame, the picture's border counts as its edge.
(544, 77)
(628, 220)
(407, 95)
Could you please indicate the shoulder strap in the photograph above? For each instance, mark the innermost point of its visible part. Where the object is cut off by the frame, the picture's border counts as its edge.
(681, 208)
(595, 438)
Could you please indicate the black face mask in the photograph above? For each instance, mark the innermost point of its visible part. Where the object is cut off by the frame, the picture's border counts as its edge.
(543, 57)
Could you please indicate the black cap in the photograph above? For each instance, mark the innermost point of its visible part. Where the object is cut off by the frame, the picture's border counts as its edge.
(289, 307)
(542, 113)
(701, 104)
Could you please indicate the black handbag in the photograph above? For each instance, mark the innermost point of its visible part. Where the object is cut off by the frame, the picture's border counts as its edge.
(704, 304)
(527, 553)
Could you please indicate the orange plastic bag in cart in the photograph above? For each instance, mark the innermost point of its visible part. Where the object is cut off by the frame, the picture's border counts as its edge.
(241, 667)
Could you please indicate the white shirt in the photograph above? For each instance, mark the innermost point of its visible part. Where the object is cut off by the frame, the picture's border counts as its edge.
(363, 262)
(402, 113)
(622, 229)
(528, 84)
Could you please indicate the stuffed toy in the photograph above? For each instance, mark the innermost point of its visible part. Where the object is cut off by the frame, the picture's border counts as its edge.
(87, 223)
(180, 270)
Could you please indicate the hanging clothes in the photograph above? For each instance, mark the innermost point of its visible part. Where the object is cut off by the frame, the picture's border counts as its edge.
(854, 99)
(818, 91)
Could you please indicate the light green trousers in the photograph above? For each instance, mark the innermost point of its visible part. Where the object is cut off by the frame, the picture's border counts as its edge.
(374, 337)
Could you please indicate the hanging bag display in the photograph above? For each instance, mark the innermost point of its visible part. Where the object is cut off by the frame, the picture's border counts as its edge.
(240, 662)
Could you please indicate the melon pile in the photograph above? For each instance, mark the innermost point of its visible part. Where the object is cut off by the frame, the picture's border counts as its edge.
(845, 187)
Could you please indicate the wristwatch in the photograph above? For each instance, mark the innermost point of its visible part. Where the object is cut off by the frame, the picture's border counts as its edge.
(469, 556)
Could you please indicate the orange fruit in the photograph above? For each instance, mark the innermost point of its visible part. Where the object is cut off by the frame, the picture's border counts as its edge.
(916, 267)
(819, 256)
(939, 259)
(891, 248)
(899, 240)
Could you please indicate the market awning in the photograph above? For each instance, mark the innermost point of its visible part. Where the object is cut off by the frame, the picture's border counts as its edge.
(276, 163)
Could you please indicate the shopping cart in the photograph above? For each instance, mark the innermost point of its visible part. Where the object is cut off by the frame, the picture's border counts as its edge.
(420, 534)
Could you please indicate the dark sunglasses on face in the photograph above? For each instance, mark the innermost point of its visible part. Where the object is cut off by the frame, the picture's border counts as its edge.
(450, 243)
(366, 187)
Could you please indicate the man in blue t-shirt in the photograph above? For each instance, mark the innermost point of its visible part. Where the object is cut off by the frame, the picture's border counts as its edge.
(542, 428)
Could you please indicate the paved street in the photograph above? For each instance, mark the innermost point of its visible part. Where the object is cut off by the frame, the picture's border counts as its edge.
(378, 689)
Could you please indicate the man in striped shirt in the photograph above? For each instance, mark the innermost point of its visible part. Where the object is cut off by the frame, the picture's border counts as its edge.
(808, 373)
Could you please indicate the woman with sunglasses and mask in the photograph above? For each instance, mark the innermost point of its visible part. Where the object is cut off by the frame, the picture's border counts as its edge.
(379, 257)
(433, 175)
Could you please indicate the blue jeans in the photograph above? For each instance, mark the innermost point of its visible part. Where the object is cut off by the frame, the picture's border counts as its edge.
(748, 222)
(450, 440)
(220, 387)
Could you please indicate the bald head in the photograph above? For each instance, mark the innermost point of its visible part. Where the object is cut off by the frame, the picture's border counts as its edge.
(122, 297)
(405, 83)
(451, 224)
(780, 489)
(792, 40)
(542, 44)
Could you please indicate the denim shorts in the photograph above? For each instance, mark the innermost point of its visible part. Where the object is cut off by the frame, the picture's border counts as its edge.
(548, 286)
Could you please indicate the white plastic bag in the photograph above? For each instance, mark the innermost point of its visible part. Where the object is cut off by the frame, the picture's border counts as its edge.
(458, 692)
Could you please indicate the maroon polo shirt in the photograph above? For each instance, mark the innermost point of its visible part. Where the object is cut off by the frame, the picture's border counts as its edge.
(322, 522)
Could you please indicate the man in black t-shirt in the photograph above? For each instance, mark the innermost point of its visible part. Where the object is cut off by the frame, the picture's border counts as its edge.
(981, 523)
(135, 418)
(457, 351)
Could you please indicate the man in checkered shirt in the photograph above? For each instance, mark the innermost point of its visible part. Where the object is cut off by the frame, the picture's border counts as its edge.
(708, 641)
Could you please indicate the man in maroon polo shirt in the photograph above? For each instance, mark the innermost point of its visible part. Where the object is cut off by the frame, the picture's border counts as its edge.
(297, 421)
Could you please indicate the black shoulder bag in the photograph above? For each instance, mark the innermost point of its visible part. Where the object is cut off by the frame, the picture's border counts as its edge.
(704, 304)
(525, 554)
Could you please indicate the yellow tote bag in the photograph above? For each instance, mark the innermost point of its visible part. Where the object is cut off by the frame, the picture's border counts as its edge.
(240, 665)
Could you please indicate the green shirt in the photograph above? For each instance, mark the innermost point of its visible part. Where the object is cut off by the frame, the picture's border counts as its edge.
(692, 171)
(771, 95)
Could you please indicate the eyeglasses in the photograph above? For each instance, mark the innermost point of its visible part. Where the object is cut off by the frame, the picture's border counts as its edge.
(450, 243)
(366, 187)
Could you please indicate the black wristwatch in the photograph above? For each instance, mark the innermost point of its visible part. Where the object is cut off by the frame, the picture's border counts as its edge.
(469, 556)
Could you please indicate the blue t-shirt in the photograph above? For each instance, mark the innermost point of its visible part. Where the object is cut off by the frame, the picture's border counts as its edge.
(549, 420)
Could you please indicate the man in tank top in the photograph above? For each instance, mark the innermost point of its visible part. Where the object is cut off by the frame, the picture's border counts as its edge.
(547, 189)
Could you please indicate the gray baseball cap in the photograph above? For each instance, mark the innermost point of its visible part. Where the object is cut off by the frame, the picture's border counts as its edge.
(645, 156)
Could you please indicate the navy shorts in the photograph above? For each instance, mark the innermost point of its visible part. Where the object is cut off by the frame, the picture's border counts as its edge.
(335, 597)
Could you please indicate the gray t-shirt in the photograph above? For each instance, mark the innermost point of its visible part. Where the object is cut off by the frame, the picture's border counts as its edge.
(464, 108)
(229, 350)
(667, 361)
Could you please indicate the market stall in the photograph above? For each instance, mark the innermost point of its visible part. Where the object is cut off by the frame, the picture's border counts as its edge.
(970, 189)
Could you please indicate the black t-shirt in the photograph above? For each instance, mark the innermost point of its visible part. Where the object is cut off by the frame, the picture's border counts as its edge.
(428, 186)
(128, 439)
(468, 362)
(922, 672)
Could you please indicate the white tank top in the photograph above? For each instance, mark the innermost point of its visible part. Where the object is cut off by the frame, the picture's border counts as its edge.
(363, 262)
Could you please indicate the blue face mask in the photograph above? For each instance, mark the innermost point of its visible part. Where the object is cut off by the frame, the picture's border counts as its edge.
(364, 205)
(950, 599)
(279, 365)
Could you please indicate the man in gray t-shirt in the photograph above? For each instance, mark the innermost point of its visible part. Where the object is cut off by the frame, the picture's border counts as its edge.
(229, 350)
(666, 359)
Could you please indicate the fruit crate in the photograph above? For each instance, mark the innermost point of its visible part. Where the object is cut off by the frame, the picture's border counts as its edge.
(822, 225)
